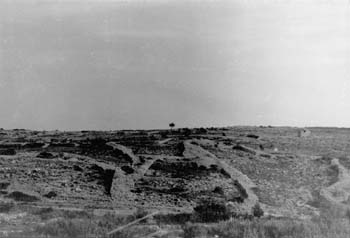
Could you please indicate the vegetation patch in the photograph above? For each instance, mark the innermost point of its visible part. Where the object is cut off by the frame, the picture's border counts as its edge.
(22, 197)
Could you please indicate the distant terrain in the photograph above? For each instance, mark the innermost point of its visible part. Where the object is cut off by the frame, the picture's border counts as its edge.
(283, 171)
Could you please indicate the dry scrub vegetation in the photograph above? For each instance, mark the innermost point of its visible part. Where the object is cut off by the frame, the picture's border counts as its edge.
(258, 183)
(333, 222)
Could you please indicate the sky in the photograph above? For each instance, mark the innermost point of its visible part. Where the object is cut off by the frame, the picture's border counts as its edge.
(109, 65)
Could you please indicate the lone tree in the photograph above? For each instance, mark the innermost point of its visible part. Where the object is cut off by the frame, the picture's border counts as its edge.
(171, 125)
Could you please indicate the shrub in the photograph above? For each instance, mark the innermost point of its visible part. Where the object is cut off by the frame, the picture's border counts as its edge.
(4, 185)
(140, 213)
(45, 155)
(22, 197)
(173, 218)
(45, 213)
(194, 230)
(211, 210)
(64, 228)
(180, 148)
(219, 190)
(5, 207)
(9, 151)
(164, 134)
(111, 221)
(257, 211)
(202, 131)
(50, 194)
(186, 132)
(72, 214)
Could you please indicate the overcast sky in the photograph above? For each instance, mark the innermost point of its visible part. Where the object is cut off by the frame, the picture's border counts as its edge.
(80, 64)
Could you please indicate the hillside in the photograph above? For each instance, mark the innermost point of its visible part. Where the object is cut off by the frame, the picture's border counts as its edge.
(171, 171)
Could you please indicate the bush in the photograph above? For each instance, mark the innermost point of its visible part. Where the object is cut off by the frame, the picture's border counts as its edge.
(219, 190)
(64, 228)
(211, 210)
(257, 211)
(202, 131)
(5, 207)
(45, 155)
(261, 228)
(50, 194)
(9, 151)
(347, 214)
(22, 197)
(140, 212)
(194, 230)
(173, 218)
(164, 134)
(45, 213)
(186, 132)
(111, 221)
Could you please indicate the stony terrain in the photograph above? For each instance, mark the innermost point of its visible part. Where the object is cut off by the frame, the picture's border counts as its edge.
(171, 170)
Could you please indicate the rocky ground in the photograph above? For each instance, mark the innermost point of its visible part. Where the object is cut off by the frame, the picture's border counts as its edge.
(171, 170)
